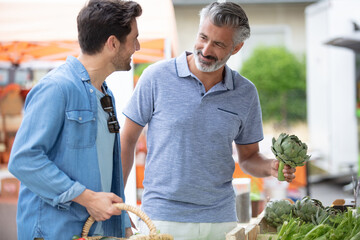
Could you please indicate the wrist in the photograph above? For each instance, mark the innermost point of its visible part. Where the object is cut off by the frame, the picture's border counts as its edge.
(84, 197)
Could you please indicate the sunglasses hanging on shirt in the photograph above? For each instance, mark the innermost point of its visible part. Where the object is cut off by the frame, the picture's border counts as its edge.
(112, 122)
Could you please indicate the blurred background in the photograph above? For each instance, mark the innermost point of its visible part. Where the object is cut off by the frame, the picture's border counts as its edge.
(303, 56)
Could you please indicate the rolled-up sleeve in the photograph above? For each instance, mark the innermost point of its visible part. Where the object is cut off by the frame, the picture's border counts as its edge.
(39, 131)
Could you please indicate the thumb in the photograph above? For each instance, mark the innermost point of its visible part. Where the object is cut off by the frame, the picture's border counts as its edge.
(115, 210)
(116, 199)
(275, 164)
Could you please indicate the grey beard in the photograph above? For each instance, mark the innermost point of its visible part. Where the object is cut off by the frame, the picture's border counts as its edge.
(209, 68)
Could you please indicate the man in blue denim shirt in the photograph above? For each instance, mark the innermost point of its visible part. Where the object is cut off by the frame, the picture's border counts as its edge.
(67, 150)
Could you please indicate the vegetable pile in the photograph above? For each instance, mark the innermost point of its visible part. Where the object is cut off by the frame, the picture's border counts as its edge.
(288, 149)
(308, 219)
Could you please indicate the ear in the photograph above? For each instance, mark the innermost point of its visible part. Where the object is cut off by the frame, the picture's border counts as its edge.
(237, 48)
(112, 43)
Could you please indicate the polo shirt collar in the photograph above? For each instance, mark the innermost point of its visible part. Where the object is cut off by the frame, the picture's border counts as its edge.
(183, 70)
(182, 67)
(228, 79)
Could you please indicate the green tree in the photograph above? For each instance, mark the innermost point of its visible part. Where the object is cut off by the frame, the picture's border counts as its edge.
(281, 82)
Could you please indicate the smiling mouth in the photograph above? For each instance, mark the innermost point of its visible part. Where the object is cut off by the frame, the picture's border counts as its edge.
(207, 57)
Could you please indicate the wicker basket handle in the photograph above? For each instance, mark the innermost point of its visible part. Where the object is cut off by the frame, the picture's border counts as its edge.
(122, 206)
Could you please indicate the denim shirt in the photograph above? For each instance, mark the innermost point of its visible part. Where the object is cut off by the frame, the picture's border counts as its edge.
(54, 156)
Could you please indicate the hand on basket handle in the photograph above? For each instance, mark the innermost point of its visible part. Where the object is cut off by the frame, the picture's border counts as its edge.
(99, 204)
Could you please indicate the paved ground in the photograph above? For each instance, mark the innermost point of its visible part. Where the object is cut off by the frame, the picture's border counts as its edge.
(328, 190)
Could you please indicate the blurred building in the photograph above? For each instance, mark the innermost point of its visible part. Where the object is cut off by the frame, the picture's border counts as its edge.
(333, 84)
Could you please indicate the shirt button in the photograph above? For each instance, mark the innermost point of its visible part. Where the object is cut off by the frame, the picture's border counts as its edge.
(91, 91)
(80, 118)
(202, 94)
(200, 83)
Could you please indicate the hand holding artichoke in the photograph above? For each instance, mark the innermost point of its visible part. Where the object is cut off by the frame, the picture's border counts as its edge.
(288, 149)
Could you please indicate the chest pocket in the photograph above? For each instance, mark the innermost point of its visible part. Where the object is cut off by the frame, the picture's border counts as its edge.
(80, 129)
(231, 123)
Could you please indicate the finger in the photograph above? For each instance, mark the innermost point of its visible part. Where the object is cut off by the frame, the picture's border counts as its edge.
(115, 210)
(116, 199)
(292, 170)
(275, 164)
(100, 218)
(289, 177)
(289, 168)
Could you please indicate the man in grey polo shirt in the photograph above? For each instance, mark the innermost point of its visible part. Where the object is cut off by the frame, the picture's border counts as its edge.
(195, 107)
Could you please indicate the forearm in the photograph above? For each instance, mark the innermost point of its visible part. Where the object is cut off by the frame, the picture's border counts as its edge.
(41, 175)
(252, 162)
(127, 159)
(257, 165)
(128, 138)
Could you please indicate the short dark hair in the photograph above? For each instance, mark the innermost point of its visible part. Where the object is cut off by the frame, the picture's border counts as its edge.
(228, 14)
(100, 19)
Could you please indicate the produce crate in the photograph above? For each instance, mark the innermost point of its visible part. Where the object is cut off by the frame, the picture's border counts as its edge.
(257, 229)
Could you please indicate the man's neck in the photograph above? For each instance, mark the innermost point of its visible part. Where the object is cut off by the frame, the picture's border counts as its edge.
(208, 79)
(97, 69)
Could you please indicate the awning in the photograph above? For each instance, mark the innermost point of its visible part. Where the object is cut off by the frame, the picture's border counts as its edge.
(18, 52)
(349, 41)
(46, 30)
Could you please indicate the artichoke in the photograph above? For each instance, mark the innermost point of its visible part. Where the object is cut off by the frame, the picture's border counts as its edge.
(277, 212)
(310, 210)
(321, 216)
(288, 149)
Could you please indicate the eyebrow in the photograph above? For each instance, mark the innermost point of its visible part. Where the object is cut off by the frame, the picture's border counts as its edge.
(222, 44)
(202, 34)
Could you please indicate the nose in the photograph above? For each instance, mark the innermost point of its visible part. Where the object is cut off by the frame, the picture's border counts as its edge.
(137, 45)
(206, 49)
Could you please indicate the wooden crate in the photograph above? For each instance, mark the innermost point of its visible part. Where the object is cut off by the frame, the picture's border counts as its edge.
(257, 229)
(9, 187)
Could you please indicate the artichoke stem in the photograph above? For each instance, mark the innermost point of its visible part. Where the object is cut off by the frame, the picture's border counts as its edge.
(281, 176)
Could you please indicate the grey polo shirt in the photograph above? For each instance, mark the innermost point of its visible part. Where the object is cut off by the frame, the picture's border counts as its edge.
(189, 165)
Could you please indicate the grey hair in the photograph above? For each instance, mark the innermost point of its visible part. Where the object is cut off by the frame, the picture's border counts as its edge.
(230, 15)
